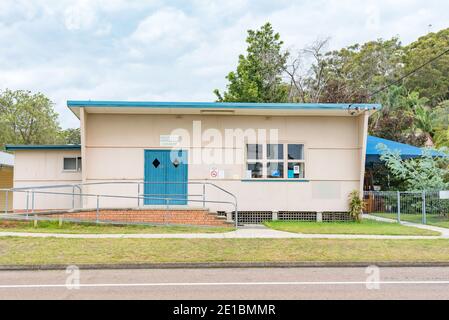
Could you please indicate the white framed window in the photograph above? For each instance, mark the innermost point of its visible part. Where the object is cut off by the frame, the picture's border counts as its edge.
(284, 161)
(254, 166)
(72, 164)
(295, 161)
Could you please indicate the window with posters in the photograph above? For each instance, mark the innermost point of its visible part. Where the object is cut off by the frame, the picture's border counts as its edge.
(275, 161)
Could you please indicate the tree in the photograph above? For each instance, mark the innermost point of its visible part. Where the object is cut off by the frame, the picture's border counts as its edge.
(424, 120)
(71, 136)
(258, 77)
(414, 112)
(427, 173)
(432, 81)
(308, 79)
(441, 124)
(397, 121)
(27, 118)
(358, 70)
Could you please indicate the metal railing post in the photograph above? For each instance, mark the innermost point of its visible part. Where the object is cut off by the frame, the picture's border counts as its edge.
(424, 218)
(236, 216)
(138, 194)
(399, 207)
(32, 203)
(98, 209)
(167, 200)
(6, 202)
(81, 196)
(73, 197)
(204, 195)
(27, 202)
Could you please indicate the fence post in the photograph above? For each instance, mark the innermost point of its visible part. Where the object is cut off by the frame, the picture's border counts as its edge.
(98, 209)
(424, 218)
(399, 207)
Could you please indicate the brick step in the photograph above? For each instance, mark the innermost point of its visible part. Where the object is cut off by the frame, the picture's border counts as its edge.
(187, 217)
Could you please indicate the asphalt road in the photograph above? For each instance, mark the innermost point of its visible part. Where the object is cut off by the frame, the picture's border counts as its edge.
(268, 283)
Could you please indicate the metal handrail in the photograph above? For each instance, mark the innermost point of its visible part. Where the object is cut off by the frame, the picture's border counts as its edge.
(99, 196)
(203, 183)
(139, 196)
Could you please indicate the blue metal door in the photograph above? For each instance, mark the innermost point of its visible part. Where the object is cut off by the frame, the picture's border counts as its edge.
(165, 177)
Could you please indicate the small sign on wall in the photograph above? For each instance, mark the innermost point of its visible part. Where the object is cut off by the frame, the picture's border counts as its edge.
(215, 173)
(169, 140)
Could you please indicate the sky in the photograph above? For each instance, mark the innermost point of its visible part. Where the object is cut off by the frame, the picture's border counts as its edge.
(157, 50)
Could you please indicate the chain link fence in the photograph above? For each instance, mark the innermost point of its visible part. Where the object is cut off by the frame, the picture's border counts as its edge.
(419, 207)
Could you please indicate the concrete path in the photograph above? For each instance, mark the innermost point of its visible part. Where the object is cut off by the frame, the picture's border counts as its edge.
(444, 232)
(249, 232)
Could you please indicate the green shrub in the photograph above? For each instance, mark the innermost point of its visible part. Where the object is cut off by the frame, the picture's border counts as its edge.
(356, 205)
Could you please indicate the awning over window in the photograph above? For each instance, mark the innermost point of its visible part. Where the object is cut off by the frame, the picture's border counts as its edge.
(407, 151)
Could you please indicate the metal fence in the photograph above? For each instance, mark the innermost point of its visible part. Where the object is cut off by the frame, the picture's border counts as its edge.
(427, 207)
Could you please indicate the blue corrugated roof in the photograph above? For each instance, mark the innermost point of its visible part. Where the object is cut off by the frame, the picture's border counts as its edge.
(220, 105)
(11, 147)
(407, 151)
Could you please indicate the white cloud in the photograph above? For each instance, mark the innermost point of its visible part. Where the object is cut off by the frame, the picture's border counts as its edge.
(79, 16)
(168, 27)
(146, 50)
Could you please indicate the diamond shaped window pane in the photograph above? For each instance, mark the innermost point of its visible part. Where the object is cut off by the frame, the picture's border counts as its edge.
(156, 163)
(176, 163)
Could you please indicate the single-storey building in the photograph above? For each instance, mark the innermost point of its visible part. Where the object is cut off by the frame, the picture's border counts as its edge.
(271, 157)
(6, 180)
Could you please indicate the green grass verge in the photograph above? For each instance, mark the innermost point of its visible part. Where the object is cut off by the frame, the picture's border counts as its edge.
(90, 228)
(433, 220)
(367, 227)
(32, 251)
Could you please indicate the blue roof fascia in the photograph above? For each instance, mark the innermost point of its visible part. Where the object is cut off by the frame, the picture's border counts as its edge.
(43, 147)
(221, 105)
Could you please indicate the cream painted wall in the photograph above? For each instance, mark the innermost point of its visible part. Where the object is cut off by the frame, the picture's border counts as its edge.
(115, 143)
(43, 168)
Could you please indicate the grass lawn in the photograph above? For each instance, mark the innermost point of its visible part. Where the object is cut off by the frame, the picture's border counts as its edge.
(31, 251)
(368, 227)
(434, 220)
(90, 228)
